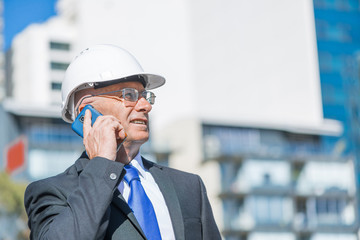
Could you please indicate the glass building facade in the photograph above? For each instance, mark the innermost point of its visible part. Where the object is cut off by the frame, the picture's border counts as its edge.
(337, 25)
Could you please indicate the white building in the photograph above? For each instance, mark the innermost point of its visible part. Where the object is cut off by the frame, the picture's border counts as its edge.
(2, 56)
(250, 65)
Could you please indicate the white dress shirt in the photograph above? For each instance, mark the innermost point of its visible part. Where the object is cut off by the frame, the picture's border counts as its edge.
(154, 194)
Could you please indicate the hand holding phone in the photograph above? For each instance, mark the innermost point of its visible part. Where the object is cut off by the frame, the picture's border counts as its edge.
(77, 125)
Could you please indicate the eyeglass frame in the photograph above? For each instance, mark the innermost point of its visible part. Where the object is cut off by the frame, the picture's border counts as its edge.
(139, 95)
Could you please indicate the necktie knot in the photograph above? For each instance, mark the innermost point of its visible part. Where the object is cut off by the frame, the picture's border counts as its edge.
(131, 174)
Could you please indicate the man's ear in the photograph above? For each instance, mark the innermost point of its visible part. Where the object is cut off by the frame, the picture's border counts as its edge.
(81, 107)
(83, 102)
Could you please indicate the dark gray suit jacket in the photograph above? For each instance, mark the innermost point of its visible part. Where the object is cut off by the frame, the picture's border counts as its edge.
(83, 203)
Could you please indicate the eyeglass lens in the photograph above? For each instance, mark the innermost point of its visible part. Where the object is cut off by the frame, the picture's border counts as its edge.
(132, 95)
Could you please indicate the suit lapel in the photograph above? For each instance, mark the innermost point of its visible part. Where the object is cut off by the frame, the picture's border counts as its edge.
(167, 189)
(119, 201)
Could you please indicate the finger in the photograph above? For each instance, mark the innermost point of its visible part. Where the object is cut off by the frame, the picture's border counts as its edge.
(121, 134)
(121, 141)
(109, 125)
(119, 129)
(87, 122)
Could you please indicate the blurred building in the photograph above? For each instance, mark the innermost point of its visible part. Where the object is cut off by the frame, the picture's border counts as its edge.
(338, 41)
(37, 62)
(2, 55)
(280, 184)
(242, 107)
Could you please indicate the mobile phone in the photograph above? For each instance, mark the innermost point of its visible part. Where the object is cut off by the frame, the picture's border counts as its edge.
(77, 125)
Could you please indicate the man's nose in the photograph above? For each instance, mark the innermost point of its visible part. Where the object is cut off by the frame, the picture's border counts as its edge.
(142, 105)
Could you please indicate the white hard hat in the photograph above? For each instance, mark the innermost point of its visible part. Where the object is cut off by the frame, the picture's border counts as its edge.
(99, 64)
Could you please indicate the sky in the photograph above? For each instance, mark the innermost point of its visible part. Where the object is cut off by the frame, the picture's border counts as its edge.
(20, 13)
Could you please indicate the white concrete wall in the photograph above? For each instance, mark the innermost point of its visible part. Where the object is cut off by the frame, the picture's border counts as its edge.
(256, 61)
(30, 66)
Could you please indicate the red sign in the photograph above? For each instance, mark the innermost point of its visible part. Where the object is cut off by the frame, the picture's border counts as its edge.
(15, 155)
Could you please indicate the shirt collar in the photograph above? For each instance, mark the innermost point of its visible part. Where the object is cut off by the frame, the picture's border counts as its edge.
(138, 164)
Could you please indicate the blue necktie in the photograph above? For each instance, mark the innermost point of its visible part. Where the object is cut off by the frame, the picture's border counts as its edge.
(141, 205)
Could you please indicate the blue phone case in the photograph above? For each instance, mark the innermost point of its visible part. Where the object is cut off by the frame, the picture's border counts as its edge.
(77, 125)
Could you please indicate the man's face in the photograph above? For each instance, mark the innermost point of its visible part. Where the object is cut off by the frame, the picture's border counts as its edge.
(134, 117)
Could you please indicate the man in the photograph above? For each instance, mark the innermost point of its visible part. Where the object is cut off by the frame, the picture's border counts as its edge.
(98, 196)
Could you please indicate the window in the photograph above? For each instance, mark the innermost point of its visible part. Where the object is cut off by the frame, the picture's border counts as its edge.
(233, 213)
(58, 66)
(229, 174)
(325, 211)
(329, 210)
(60, 46)
(339, 32)
(339, 5)
(270, 209)
(52, 134)
(220, 140)
(56, 86)
(44, 162)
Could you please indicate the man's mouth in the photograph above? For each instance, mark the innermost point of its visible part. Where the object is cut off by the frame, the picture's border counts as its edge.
(139, 122)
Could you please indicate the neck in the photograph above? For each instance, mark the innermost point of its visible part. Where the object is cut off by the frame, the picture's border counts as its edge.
(127, 152)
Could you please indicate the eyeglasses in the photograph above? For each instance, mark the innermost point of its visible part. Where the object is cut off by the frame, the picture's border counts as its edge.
(130, 96)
